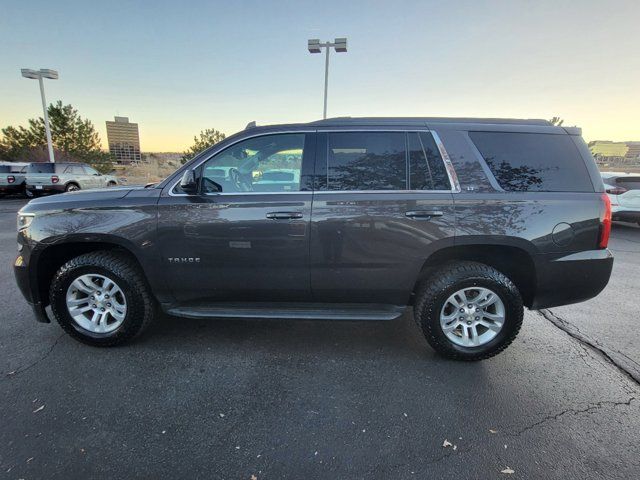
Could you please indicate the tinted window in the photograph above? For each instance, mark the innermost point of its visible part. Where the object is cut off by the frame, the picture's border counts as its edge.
(270, 163)
(426, 169)
(74, 170)
(630, 183)
(366, 161)
(533, 162)
(5, 169)
(41, 168)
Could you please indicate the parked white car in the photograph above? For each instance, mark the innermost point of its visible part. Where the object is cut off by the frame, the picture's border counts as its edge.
(624, 192)
(64, 177)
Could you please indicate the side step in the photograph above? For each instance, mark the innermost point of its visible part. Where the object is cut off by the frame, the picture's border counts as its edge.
(290, 311)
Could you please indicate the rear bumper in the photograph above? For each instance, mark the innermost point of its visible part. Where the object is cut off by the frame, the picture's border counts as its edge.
(626, 215)
(57, 188)
(572, 278)
(10, 188)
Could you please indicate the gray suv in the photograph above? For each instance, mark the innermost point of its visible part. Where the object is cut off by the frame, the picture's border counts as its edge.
(64, 177)
(467, 221)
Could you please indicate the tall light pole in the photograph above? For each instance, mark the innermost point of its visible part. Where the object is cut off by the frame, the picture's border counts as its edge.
(315, 46)
(40, 75)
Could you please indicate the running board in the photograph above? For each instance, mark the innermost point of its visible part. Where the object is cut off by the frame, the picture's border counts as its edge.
(290, 311)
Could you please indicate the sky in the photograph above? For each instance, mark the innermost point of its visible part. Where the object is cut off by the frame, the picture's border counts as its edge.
(178, 67)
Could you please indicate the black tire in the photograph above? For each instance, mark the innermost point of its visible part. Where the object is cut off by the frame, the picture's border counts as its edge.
(72, 187)
(444, 282)
(127, 275)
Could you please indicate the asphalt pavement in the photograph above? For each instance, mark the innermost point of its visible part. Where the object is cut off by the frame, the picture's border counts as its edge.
(240, 399)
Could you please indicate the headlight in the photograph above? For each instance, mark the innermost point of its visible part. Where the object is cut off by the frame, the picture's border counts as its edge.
(24, 220)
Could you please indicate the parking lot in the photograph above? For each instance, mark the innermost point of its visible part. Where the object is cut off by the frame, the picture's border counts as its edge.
(299, 399)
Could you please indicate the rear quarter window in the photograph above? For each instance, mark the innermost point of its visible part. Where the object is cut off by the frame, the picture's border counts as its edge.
(41, 168)
(533, 162)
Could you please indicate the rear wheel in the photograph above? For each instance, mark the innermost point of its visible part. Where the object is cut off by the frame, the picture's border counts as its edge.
(72, 187)
(468, 311)
(101, 298)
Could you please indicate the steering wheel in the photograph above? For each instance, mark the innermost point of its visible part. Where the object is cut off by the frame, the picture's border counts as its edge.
(238, 181)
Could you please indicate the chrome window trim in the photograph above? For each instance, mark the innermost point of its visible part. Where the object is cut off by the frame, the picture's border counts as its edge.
(325, 192)
(451, 173)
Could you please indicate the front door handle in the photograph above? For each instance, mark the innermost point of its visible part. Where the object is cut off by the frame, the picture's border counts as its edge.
(284, 215)
(424, 214)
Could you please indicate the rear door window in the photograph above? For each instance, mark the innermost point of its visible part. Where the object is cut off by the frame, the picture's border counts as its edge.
(74, 170)
(525, 162)
(365, 161)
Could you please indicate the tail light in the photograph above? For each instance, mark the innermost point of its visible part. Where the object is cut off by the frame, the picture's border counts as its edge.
(616, 190)
(54, 179)
(11, 179)
(605, 222)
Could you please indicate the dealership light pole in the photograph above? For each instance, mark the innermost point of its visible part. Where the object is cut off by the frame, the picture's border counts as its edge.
(315, 46)
(40, 75)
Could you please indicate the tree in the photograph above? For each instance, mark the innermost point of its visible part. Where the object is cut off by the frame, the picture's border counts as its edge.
(557, 121)
(74, 139)
(207, 137)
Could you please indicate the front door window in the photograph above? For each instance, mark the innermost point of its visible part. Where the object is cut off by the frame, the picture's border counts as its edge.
(270, 163)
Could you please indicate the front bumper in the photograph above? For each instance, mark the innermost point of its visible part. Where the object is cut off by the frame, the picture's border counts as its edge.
(57, 188)
(21, 273)
(572, 278)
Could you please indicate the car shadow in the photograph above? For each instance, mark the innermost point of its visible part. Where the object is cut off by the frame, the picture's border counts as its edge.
(393, 341)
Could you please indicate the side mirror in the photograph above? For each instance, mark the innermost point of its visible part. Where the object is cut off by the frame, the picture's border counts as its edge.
(189, 183)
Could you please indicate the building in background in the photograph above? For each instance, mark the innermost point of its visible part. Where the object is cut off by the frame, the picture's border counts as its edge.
(612, 154)
(124, 140)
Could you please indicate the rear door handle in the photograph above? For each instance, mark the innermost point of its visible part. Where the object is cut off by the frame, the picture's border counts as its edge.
(424, 214)
(284, 215)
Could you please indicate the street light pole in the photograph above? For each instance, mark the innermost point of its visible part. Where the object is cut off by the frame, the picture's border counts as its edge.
(47, 128)
(326, 83)
(315, 46)
(40, 75)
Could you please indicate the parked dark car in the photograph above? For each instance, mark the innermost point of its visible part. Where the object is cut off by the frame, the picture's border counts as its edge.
(465, 220)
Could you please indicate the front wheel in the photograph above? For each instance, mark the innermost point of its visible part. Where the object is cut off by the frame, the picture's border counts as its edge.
(101, 298)
(469, 311)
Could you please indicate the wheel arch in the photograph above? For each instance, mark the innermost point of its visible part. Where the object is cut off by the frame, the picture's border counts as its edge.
(49, 260)
(513, 261)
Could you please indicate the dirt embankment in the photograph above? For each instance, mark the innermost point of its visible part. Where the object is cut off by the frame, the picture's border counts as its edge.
(153, 168)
